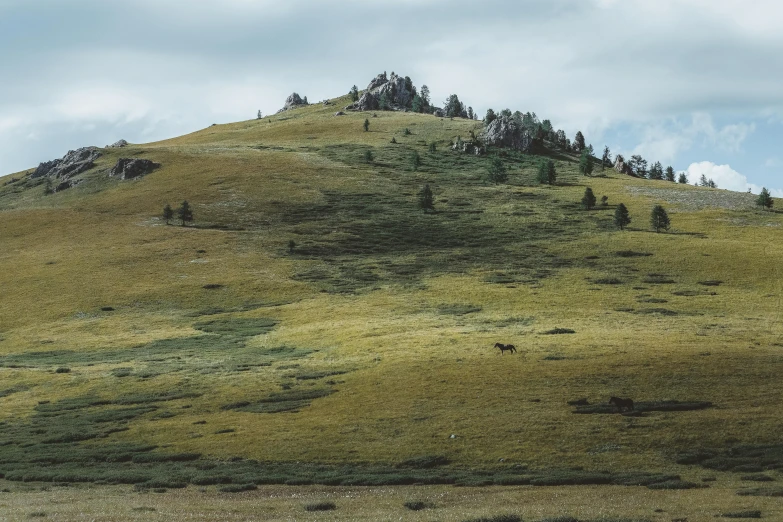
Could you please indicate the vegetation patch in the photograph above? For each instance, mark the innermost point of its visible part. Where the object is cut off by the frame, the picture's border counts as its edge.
(643, 406)
(418, 505)
(559, 331)
(425, 462)
(286, 401)
(458, 309)
(632, 253)
(747, 458)
(761, 492)
(496, 518)
(320, 506)
(658, 279)
(750, 513)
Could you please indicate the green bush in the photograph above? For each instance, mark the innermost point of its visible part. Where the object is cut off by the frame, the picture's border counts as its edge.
(321, 506)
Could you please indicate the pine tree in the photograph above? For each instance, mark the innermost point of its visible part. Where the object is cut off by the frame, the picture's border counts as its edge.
(168, 213)
(425, 96)
(433, 148)
(185, 213)
(703, 181)
(586, 163)
(683, 178)
(497, 171)
(366, 125)
(638, 165)
(621, 217)
(579, 142)
(291, 246)
(48, 187)
(426, 199)
(588, 200)
(354, 92)
(259, 115)
(470, 113)
(490, 117)
(418, 104)
(383, 102)
(368, 156)
(765, 199)
(547, 175)
(670, 174)
(604, 201)
(656, 171)
(659, 219)
(415, 160)
(606, 159)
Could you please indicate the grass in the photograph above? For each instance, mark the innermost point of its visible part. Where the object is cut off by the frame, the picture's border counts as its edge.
(386, 310)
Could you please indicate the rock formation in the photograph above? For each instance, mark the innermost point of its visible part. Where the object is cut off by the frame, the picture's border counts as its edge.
(506, 132)
(72, 164)
(622, 167)
(292, 102)
(118, 144)
(396, 91)
(129, 168)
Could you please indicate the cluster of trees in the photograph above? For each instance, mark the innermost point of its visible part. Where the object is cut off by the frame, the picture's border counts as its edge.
(659, 219)
(420, 101)
(184, 213)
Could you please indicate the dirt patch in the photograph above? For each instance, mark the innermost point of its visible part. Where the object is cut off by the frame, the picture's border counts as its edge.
(695, 199)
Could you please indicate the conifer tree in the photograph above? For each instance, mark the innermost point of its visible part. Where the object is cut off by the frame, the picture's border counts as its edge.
(291, 246)
(659, 219)
(547, 173)
(48, 187)
(433, 147)
(368, 156)
(490, 117)
(185, 213)
(579, 142)
(497, 171)
(588, 200)
(415, 160)
(366, 125)
(656, 171)
(670, 174)
(168, 213)
(606, 159)
(426, 199)
(354, 92)
(621, 217)
(765, 199)
(683, 178)
(586, 163)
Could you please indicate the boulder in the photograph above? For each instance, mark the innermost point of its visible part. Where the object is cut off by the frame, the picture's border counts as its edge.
(437, 111)
(129, 168)
(118, 144)
(72, 164)
(368, 102)
(506, 132)
(378, 81)
(622, 167)
(68, 183)
(339, 113)
(292, 102)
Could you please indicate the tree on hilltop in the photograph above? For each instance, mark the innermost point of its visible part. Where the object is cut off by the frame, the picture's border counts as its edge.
(579, 141)
(669, 174)
(638, 165)
(490, 117)
(586, 163)
(621, 217)
(185, 213)
(765, 199)
(606, 159)
(354, 92)
(454, 108)
(659, 219)
(656, 171)
(682, 178)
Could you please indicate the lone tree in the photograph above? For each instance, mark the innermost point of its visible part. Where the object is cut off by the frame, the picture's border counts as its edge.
(185, 213)
(490, 117)
(168, 213)
(259, 115)
(588, 200)
(366, 125)
(683, 178)
(426, 199)
(415, 160)
(579, 141)
(639, 165)
(291, 246)
(433, 148)
(659, 219)
(621, 217)
(606, 159)
(48, 187)
(354, 92)
(586, 163)
(765, 199)
(670, 174)
(368, 156)
(547, 175)
(497, 171)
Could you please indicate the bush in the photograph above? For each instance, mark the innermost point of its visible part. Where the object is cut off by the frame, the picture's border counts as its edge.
(321, 506)
(588, 200)
(238, 488)
(418, 505)
(497, 171)
(743, 514)
(62, 370)
(496, 518)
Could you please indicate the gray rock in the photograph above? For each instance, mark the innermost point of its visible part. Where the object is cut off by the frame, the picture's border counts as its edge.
(368, 102)
(118, 144)
(396, 89)
(129, 168)
(339, 113)
(72, 164)
(65, 185)
(622, 167)
(292, 102)
(378, 81)
(437, 111)
(506, 132)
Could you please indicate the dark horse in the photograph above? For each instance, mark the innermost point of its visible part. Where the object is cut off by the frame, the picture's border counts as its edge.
(621, 403)
(506, 347)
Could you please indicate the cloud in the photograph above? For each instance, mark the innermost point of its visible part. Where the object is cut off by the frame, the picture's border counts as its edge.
(726, 178)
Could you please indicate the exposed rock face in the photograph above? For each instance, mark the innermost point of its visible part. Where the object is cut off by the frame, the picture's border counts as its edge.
(468, 147)
(622, 167)
(505, 132)
(397, 91)
(118, 144)
(72, 164)
(129, 168)
(292, 102)
(339, 113)
(69, 183)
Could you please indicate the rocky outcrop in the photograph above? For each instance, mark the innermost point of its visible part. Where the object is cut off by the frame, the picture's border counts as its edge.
(506, 132)
(72, 164)
(130, 168)
(389, 93)
(468, 147)
(118, 144)
(622, 167)
(292, 102)
(339, 113)
(69, 183)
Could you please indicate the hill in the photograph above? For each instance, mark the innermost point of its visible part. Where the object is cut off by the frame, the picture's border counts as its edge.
(313, 324)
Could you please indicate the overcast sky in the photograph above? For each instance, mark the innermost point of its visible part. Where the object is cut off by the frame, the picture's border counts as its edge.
(697, 84)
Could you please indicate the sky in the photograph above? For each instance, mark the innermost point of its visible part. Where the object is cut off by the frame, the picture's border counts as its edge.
(696, 84)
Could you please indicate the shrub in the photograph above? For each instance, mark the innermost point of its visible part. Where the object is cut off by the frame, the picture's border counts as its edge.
(659, 219)
(368, 156)
(588, 200)
(743, 514)
(63, 369)
(321, 506)
(418, 505)
(238, 488)
(497, 171)
(496, 518)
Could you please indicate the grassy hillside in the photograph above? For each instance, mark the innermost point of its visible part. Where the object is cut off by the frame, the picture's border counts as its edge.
(128, 344)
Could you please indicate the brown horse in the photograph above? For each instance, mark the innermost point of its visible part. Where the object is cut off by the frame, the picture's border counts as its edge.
(506, 347)
(621, 403)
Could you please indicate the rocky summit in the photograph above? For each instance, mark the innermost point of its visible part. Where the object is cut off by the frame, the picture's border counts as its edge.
(129, 168)
(72, 164)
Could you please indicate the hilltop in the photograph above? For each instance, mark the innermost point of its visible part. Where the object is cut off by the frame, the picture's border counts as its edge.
(313, 313)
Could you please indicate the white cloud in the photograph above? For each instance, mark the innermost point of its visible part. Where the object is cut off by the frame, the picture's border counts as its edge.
(726, 178)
